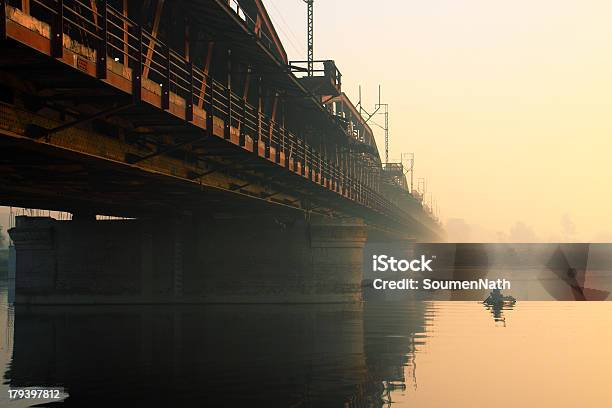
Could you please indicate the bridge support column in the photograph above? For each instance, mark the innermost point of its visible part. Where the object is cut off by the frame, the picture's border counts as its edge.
(277, 260)
(79, 261)
(337, 258)
(194, 259)
(35, 253)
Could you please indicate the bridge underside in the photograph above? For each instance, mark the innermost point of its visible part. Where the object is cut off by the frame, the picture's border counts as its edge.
(35, 176)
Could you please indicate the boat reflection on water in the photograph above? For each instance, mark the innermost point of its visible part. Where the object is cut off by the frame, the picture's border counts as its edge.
(273, 356)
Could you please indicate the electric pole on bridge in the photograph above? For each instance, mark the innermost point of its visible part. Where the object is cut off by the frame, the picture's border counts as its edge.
(310, 17)
(410, 159)
(385, 112)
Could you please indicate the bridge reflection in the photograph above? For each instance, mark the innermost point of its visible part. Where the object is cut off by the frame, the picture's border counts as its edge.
(285, 356)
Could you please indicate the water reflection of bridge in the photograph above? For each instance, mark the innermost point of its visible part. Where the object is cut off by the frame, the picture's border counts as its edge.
(299, 356)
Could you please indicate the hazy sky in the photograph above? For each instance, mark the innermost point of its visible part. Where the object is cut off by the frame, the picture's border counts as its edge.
(507, 105)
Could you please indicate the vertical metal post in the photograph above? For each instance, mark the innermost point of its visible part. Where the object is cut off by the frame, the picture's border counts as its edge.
(279, 145)
(305, 164)
(210, 105)
(284, 138)
(349, 173)
(242, 136)
(310, 162)
(284, 135)
(269, 143)
(257, 140)
(245, 97)
(57, 30)
(189, 97)
(319, 162)
(189, 68)
(102, 51)
(321, 165)
(344, 173)
(336, 168)
(228, 118)
(258, 130)
(325, 165)
(165, 85)
(137, 70)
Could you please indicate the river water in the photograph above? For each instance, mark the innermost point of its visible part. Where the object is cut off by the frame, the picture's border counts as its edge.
(390, 354)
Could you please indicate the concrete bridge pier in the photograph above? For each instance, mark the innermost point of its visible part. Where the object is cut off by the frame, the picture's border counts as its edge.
(336, 248)
(188, 258)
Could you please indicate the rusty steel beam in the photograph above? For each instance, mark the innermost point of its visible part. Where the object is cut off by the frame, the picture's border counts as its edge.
(239, 187)
(38, 132)
(135, 160)
(209, 56)
(151, 47)
(220, 168)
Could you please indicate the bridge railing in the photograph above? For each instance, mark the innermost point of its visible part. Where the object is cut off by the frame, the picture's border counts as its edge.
(104, 32)
(251, 24)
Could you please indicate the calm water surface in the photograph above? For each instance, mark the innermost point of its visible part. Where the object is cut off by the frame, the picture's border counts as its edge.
(427, 354)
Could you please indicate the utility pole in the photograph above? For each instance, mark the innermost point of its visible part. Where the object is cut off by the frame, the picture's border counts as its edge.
(410, 168)
(385, 112)
(421, 181)
(412, 173)
(310, 17)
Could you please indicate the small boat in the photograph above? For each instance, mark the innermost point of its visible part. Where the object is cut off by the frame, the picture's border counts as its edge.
(496, 298)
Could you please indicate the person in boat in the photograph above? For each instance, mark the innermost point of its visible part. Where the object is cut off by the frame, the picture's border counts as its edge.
(496, 297)
(496, 302)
